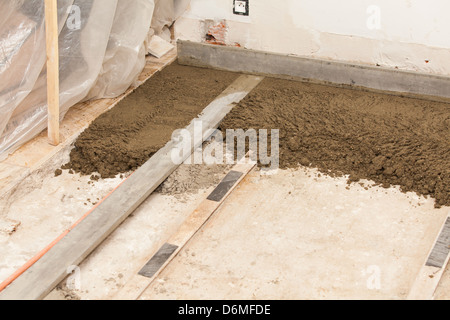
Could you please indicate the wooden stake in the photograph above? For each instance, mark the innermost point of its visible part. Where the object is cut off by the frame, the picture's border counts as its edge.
(52, 34)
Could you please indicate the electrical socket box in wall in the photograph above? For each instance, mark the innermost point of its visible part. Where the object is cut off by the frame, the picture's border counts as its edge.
(241, 7)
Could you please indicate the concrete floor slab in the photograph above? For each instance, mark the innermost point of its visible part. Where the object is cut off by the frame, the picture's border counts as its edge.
(296, 235)
(127, 249)
(44, 206)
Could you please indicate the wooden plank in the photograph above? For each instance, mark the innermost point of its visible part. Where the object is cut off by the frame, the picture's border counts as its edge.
(52, 34)
(430, 274)
(426, 283)
(137, 285)
(407, 83)
(50, 270)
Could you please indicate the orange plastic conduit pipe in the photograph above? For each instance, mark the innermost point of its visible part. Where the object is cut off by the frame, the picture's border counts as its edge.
(37, 257)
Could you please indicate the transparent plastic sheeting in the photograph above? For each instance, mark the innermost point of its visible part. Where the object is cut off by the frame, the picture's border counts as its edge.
(102, 47)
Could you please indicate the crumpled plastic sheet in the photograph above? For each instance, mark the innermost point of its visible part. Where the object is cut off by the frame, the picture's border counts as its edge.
(166, 12)
(102, 47)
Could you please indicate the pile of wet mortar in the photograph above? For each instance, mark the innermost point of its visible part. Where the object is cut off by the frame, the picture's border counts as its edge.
(125, 137)
(388, 139)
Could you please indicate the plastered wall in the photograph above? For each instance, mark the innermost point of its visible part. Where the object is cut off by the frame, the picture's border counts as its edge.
(405, 34)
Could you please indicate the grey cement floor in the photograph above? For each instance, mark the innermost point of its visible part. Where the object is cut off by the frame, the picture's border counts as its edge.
(293, 235)
(297, 236)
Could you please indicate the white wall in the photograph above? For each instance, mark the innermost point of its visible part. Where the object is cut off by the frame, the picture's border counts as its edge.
(405, 34)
